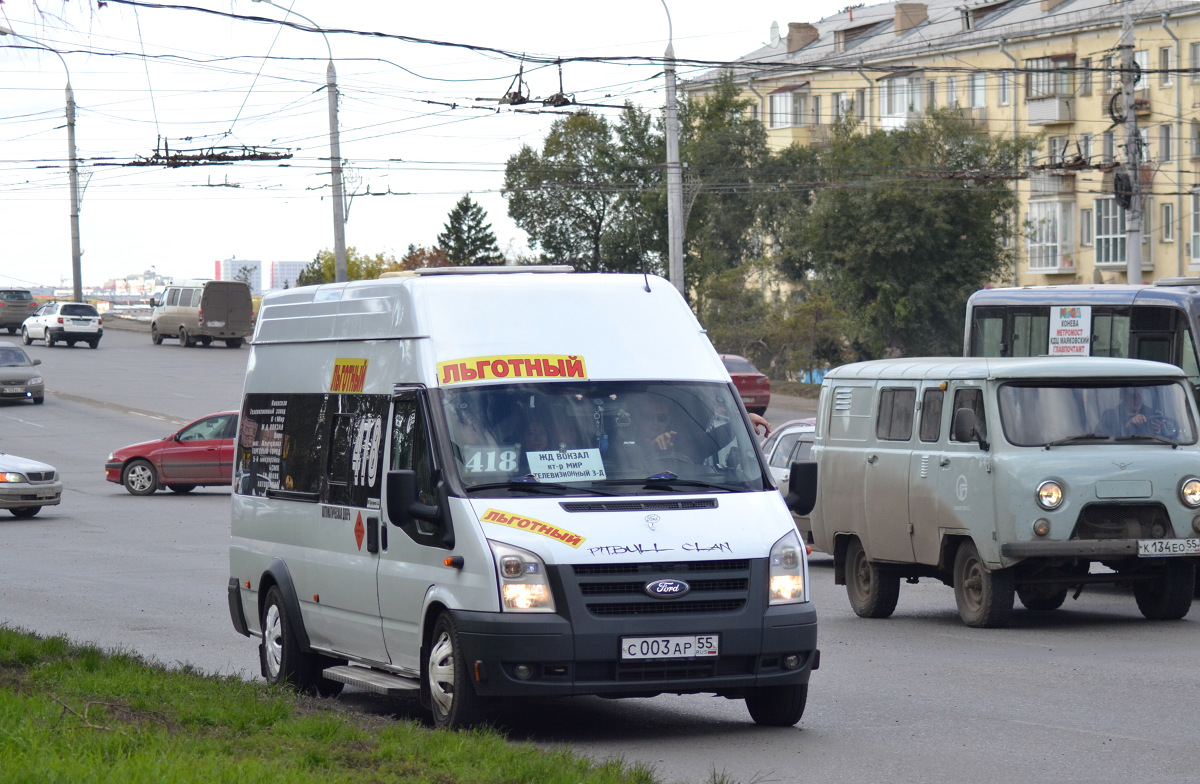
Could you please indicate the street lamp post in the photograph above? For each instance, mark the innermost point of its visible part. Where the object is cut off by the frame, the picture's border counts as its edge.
(335, 155)
(674, 175)
(72, 168)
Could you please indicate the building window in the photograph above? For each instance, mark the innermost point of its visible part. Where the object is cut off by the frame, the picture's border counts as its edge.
(754, 111)
(1195, 138)
(799, 109)
(1049, 234)
(1112, 76)
(1048, 76)
(1195, 228)
(1166, 150)
(1166, 66)
(1141, 59)
(1194, 59)
(1085, 227)
(1110, 232)
(816, 109)
(1005, 94)
(1108, 151)
(952, 91)
(977, 89)
(931, 94)
(1085, 76)
(837, 105)
(860, 103)
(1168, 222)
(1085, 147)
(1058, 150)
(781, 110)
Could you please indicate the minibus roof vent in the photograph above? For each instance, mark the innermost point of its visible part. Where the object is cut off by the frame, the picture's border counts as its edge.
(493, 270)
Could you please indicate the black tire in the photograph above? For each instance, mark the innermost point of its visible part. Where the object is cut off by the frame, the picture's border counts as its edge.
(26, 512)
(12, 330)
(283, 661)
(70, 344)
(184, 340)
(1042, 598)
(777, 706)
(94, 343)
(50, 340)
(452, 697)
(873, 590)
(139, 477)
(25, 336)
(233, 343)
(181, 488)
(984, 597)
(40, 399)
(1168, 597)
(205, 341)
(155, 338)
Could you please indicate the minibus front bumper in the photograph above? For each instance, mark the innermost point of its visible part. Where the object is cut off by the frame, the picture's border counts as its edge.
(546, 655)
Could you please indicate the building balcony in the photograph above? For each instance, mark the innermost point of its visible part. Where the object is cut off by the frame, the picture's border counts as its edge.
(1051, 110)
(1051, 182)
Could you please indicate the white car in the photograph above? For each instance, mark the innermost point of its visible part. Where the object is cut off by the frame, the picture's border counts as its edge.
(788, 443)
(69, 322)
(27, 485)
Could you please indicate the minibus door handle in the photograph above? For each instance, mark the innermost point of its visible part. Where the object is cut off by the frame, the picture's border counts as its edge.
(372, 534)
(872, 459)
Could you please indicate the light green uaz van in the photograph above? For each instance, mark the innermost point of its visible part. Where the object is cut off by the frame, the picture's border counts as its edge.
(1003, 477)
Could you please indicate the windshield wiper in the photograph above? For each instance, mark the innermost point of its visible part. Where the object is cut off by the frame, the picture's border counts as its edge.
(530, 485)
(1150, 437)
(670, 481)
(1084, 438)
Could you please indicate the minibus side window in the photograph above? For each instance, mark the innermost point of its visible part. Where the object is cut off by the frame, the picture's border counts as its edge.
(972, 399)
(355, 449)
(172, 297)
(410, 450)
(895, 420)
(931, 414)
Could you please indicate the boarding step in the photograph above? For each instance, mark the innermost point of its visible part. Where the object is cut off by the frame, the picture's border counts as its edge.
(371, 680)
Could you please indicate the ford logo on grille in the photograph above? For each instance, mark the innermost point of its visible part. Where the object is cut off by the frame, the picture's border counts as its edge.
(667, 589)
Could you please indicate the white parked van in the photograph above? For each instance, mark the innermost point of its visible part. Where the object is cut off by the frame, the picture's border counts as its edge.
(1003, 476)
(510, 482)
(201, 311)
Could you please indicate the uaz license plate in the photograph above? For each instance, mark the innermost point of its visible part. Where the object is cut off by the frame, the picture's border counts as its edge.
(1157, 548)
(672, 647)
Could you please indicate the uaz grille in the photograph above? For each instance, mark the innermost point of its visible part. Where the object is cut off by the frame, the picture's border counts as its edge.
(619, 589)
(1123, 521)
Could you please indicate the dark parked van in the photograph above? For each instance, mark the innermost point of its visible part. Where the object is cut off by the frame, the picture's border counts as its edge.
(202, 311)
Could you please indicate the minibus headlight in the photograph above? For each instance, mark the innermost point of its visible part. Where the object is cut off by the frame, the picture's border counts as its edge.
(1049, 495)
(788, 570)
(1189, 491)
(522, 575)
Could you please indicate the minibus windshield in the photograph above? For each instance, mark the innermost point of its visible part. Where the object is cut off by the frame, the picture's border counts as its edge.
(600, 438)
(1053, 415)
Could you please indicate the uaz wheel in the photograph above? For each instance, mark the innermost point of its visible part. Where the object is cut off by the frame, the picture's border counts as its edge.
(984, 597)
(873, 590)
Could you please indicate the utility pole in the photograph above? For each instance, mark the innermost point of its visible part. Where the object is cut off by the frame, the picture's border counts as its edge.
(1133, 153)
(674, 173)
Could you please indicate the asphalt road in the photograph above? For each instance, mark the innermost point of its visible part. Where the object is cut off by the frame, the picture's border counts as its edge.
(1091, 693)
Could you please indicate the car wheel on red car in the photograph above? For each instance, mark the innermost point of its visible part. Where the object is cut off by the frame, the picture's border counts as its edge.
(140, 478)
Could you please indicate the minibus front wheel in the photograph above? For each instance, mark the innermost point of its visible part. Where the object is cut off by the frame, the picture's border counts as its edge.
(452, 697)
(777, 706)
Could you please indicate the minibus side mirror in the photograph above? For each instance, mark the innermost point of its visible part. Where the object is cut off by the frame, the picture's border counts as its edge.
(155, 302)
(802, 487)
(404, 510)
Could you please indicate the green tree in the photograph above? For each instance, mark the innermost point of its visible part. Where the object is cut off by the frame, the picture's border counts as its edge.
(358, 267)
(580, 198)
(904, 226)
(467, 237)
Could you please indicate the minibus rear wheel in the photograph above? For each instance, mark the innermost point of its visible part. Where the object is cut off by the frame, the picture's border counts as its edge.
(452, 698)
(284, 662)
(873, 590)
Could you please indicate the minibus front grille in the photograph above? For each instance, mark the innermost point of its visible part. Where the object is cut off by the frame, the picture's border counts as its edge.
(665, 607)
(673, 568)
(639, 506)
(697, 586)
(1123, 521)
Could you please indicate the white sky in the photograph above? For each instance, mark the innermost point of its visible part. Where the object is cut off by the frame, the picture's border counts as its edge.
(133, 218)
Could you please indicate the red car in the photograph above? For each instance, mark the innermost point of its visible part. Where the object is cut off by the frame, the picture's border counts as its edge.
(754, 387)
(198, 454)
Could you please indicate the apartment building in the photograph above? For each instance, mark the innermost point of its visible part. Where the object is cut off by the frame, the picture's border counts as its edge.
(1047, 68)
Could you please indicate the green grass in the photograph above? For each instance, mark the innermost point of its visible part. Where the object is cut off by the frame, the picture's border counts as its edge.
(78, 714)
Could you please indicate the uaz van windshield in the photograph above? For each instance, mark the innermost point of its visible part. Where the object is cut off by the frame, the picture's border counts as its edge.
(600, 438)
(1059, 415)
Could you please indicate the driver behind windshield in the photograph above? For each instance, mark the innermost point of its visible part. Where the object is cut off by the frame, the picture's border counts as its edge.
(1132, 416)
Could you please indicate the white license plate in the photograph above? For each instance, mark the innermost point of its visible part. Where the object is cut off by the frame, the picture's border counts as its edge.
(1158, 548)
(669, 647)
(216, 324)
(13, 390)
